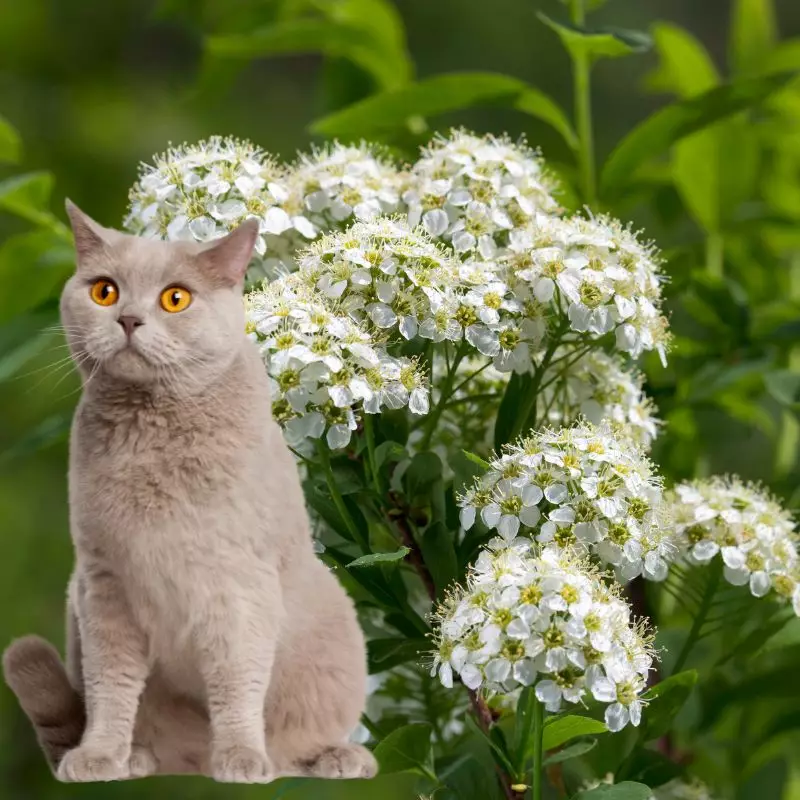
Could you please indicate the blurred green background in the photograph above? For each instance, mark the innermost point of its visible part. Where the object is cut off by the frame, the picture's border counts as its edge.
(94, 87)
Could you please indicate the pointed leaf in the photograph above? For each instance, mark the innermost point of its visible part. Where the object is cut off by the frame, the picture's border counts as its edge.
(754, 32)
(558, 730)
(372, 559)
(618, 791)
(455, 91)
(685, 68)
(407, 749)
(607, 43)
(438, 551)
(482, 463)
(383, 654)
(676, 121)
(10, 145)
(665, 700)
(573, 751)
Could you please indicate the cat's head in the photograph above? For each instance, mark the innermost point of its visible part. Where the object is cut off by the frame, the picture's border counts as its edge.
(146, 311)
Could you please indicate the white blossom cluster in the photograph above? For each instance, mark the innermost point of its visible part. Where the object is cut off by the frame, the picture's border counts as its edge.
(755, 537)
(336, 185)
(396, 278)
(594, 271)
(203, 191)
(599, 388)
(529, 615)
(471, 191)
(325, 368)
(579, 488)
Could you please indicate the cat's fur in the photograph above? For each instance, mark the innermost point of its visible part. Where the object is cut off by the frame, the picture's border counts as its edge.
(204, 636)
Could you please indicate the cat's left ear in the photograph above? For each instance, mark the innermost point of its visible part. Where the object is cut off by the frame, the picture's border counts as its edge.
(227, 259)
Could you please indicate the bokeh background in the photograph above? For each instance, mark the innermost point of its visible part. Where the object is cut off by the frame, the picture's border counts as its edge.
(96, 86)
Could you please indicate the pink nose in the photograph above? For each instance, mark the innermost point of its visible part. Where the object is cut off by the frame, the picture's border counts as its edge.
(129, 324)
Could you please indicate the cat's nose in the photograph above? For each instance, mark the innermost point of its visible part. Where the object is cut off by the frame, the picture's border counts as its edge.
(129, 324)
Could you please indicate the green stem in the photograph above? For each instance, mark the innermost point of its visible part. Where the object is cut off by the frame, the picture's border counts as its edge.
(538, 734)
(581, 68)
(526, 420)
(447, 392)
(714, 576)
(369, 433)
(715, 254)
(337, 498)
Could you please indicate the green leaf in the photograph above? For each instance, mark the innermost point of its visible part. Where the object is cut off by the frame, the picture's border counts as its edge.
(606, 43)
(10, 145)
(28, 196)
(753, 34)
(483, 464)
(389, 452)
(11, 362)
(558, 730)
(48, 432)
(438, 552)
(391, 110)
(618, 791)
(371, 559)
(676, 121)
(573, 751)
(517, 391)
(295, 36)
(424, 470)
(665, 700)
(685, 67)
(407, 749)
(383, 654)
(784, 386)
(33, 268)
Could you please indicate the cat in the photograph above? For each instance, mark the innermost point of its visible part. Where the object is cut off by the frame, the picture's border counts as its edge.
(203, 633)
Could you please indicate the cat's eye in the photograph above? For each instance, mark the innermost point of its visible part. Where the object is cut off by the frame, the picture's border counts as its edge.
(175, 298)
(104, 292)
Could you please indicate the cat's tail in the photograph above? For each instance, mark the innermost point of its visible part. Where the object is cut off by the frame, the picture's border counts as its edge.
(35, 673)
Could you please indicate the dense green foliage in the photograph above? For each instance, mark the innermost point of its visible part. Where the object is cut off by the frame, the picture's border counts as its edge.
(711, 170)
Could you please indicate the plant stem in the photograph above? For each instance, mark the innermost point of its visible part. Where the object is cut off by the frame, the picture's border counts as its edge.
(337, 498)
(715, 254)
(715, 573)
(581, 68)
(447, 391)
(415, 554)
(369, 433)
(537, 733)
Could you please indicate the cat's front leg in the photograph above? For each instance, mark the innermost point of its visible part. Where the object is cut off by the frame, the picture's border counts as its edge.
(236, 649)
(115, 668)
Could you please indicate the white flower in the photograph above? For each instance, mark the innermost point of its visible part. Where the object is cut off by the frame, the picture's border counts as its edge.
(531, 616)
(582, 488)
(325, 368)
(470, 191)
(749, 530)
(201, 192)
(596, 273)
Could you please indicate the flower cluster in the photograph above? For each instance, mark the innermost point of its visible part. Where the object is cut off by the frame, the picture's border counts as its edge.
(598, 387)
(580, 488)
(397, 279)
(325, 368)
(597, 273)
(746, 527)
(472, 191)
(546, 617)
(339, 184)
(203, 191)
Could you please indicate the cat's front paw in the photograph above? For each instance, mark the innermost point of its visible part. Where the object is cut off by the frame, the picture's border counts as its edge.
(241, 764)
(89, 764)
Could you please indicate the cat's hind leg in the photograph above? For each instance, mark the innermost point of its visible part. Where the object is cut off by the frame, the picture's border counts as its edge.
(318, 690)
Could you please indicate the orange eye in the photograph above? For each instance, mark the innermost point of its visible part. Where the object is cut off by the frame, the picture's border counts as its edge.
(175, 299)
(104, 292)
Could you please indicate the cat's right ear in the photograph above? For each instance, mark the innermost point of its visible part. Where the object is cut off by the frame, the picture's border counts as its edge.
(89, 239)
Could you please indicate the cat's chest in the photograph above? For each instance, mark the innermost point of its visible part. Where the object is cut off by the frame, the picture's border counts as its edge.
(155, 471)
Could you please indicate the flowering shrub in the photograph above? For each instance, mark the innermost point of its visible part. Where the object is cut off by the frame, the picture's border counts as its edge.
(451, 357)
(508, 408)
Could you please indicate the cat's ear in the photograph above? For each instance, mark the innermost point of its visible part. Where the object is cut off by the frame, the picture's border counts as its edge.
(227, 259)
(89, 235)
